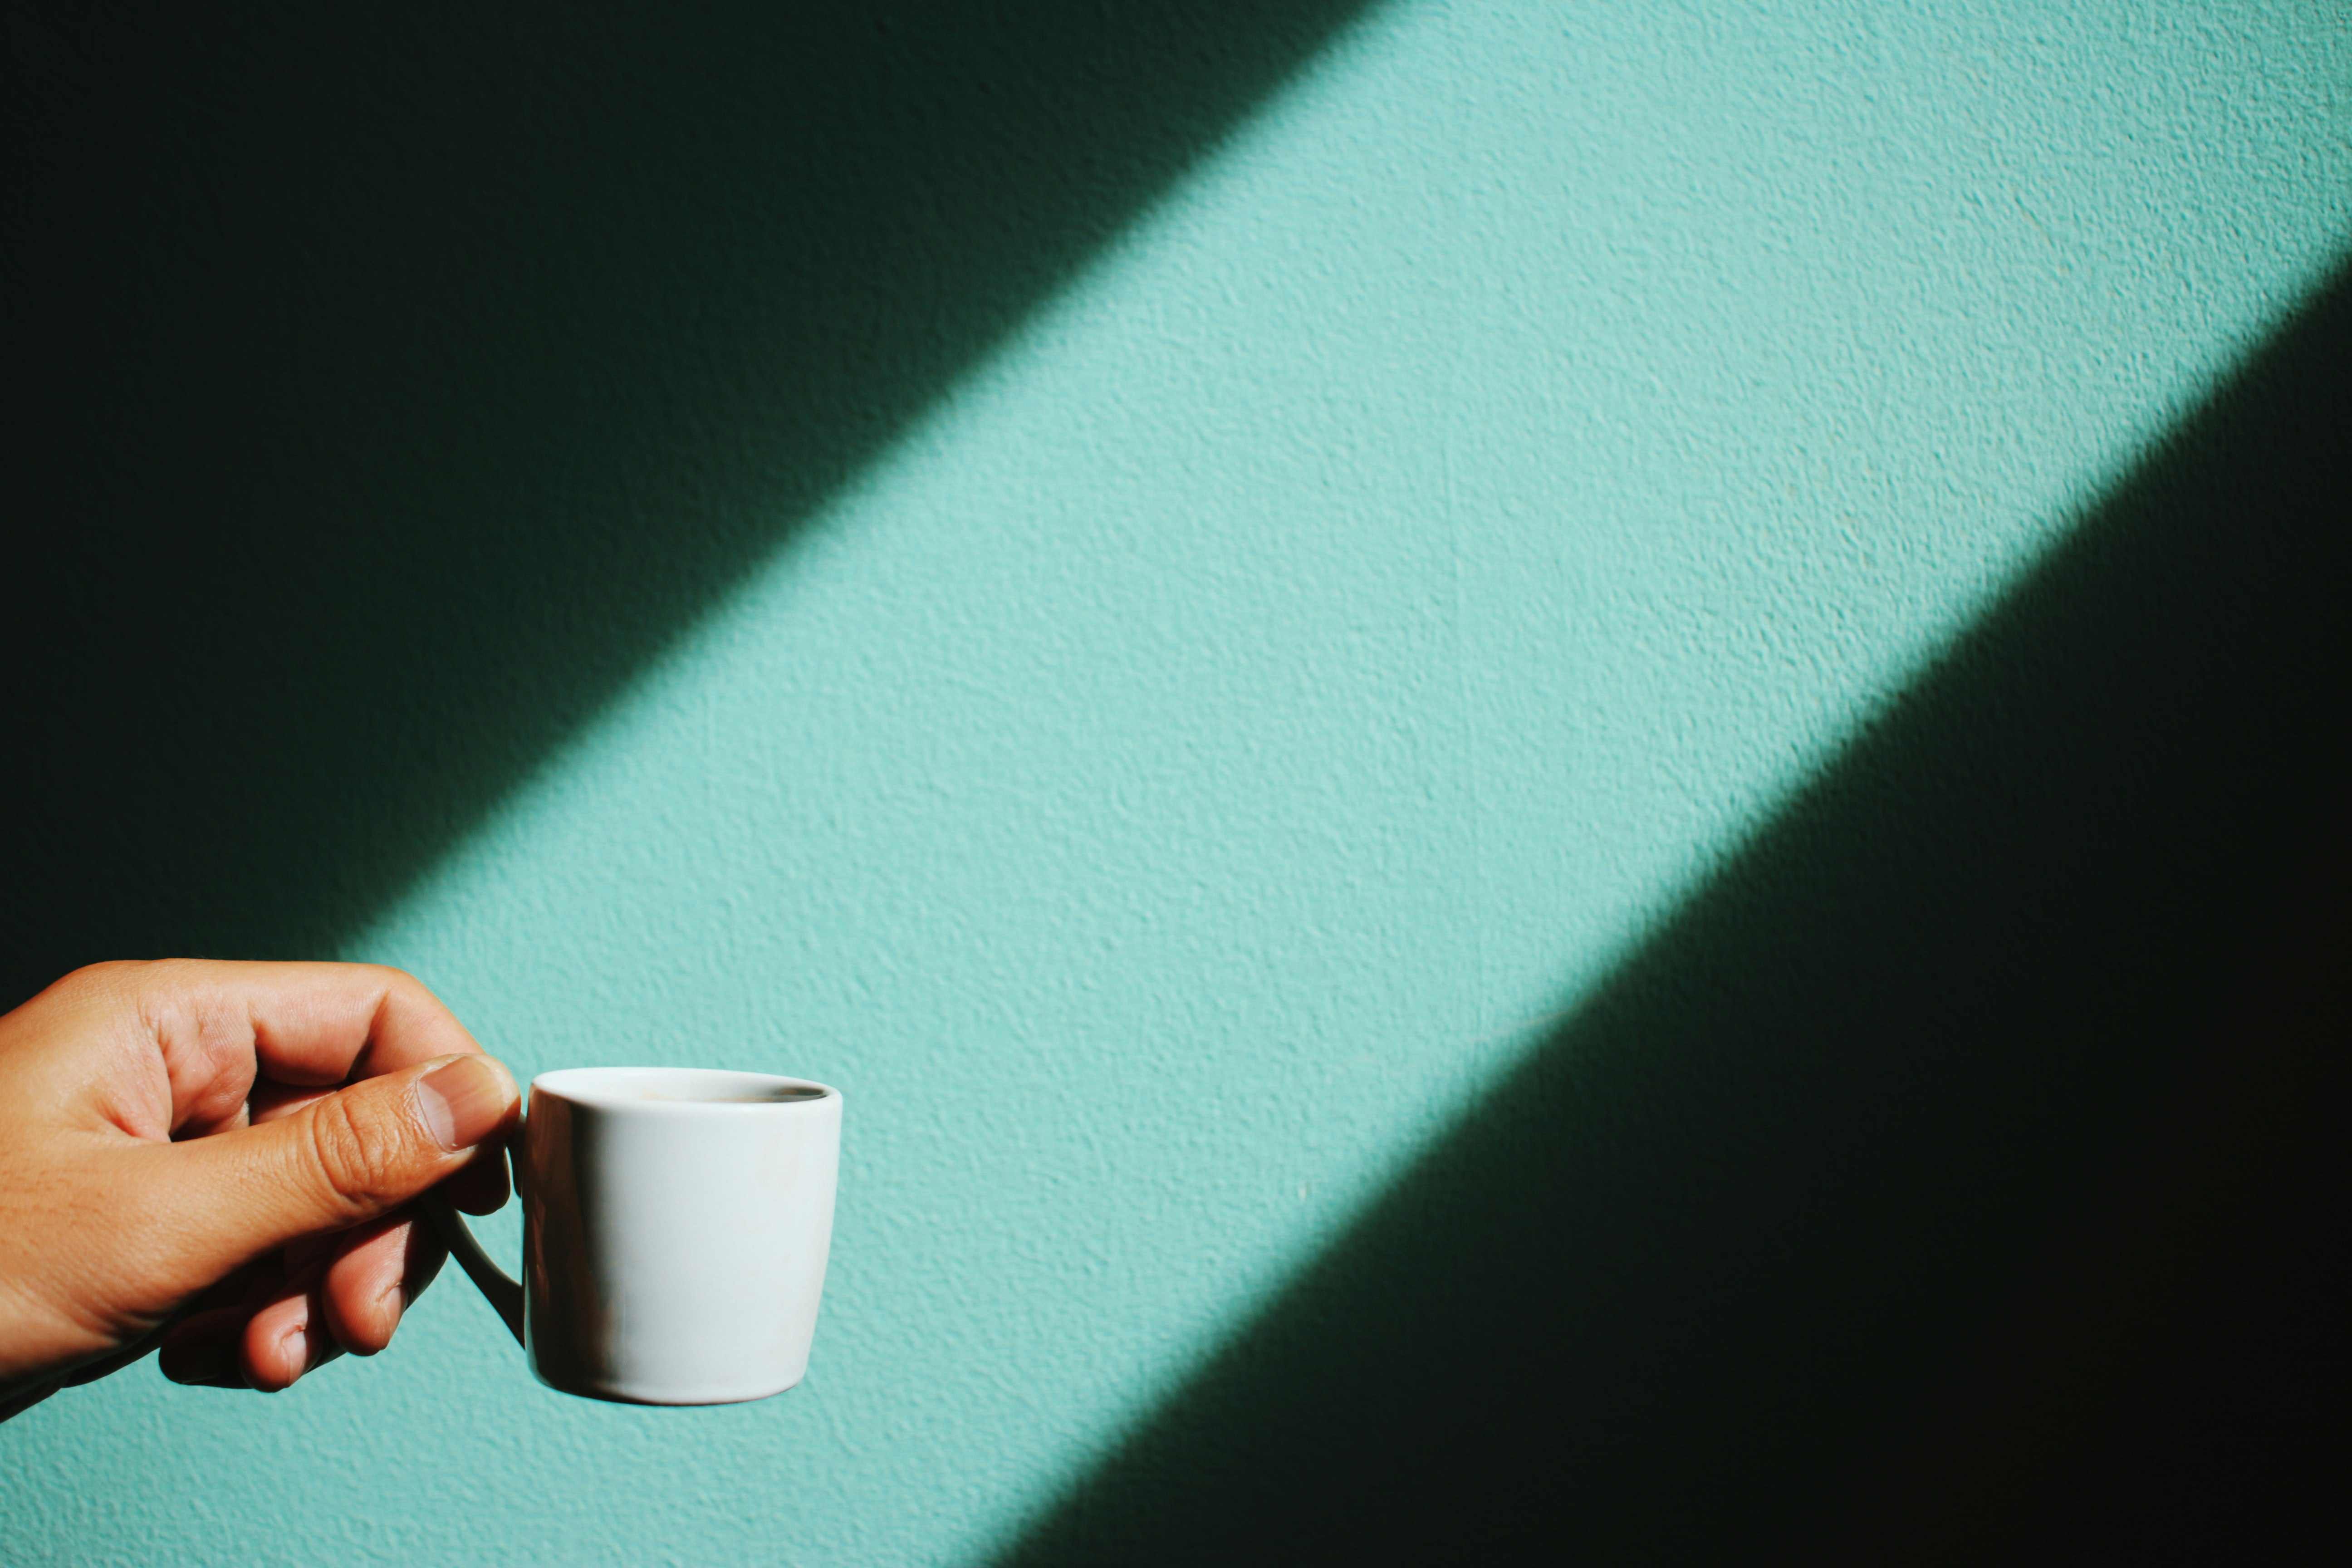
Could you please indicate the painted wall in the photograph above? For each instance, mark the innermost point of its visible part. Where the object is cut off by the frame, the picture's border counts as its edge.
(1166, 694)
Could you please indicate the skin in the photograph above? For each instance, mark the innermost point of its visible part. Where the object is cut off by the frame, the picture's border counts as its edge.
(219, 1160)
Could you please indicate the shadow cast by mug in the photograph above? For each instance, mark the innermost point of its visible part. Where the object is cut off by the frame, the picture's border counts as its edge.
(1957, 1177)
(394, 384)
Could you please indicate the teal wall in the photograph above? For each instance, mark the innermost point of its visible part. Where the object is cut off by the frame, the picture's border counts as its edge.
(1325, 625)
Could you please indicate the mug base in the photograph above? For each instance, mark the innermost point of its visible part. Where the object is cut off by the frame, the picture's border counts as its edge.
(676, 1396)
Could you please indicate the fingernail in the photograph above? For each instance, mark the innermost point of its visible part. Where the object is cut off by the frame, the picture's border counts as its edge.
(462, 1103)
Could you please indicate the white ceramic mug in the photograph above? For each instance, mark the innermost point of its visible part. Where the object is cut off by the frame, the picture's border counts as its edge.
(675, 1222)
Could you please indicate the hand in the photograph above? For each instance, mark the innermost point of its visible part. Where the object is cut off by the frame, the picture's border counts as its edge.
(178, 1164)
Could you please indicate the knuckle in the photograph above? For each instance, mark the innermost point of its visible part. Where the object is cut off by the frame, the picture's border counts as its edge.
(394, 978)
(414, 996)
(396, 989)
(113, 977)
(358, 1157)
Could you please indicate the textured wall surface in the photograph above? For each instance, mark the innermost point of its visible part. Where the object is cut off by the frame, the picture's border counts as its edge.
(1166, 694)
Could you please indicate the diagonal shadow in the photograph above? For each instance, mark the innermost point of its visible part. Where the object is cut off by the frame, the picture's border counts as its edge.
(1956, 1177)
(396, 381)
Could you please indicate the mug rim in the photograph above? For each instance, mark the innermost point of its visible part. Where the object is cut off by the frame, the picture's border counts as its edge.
(588, 1086)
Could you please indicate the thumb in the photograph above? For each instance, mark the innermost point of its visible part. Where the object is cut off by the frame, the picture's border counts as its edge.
(339, 1161)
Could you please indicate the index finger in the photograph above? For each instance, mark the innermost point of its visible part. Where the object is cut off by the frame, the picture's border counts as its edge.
(317, 1024)
(216, 1025)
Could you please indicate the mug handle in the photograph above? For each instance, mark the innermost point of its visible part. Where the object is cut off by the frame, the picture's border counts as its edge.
(504, 1292)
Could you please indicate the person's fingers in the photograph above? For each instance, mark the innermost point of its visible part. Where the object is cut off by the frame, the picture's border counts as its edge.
(205, 1031)
(288, 1337)
(335, 1294)
(338, 1162)
(375, 1274)
(214, 1113)
(268, 1102)
(202, 1350)
(481, 1187)
(313, 1023)
(200, 1346)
